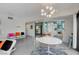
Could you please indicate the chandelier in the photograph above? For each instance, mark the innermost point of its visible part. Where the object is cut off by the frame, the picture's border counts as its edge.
(48, 11)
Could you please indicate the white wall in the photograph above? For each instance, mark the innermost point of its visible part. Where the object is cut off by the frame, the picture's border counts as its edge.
(68, 27)
(74, 31)
(8, 25)
(29, 31)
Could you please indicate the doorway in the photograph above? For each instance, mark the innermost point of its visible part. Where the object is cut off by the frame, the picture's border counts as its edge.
(38, 29)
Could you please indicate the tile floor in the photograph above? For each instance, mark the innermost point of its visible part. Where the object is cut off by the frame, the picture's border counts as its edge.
(26, 46)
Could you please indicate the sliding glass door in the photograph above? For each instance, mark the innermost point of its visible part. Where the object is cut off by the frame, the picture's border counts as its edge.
(55, 28)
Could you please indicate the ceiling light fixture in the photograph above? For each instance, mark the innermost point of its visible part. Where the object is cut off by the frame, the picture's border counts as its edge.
(42, 10)
(45, 13)
(48, 11)
(47, 7)
(52, 11)
(50, 8)
(50, 16)
(42, 14)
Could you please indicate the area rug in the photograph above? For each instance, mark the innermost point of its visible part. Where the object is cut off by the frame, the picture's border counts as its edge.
(43, 51)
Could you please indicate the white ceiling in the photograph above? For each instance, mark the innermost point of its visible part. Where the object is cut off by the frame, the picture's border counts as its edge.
(33, 9)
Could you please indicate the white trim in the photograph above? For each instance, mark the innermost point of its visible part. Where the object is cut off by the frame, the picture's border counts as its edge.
(74, 31)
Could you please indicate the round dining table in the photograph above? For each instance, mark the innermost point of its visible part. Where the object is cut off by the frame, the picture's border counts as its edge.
(49, 40)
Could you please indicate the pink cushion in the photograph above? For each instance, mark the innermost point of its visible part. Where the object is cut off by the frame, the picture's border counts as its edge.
(11, 35)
